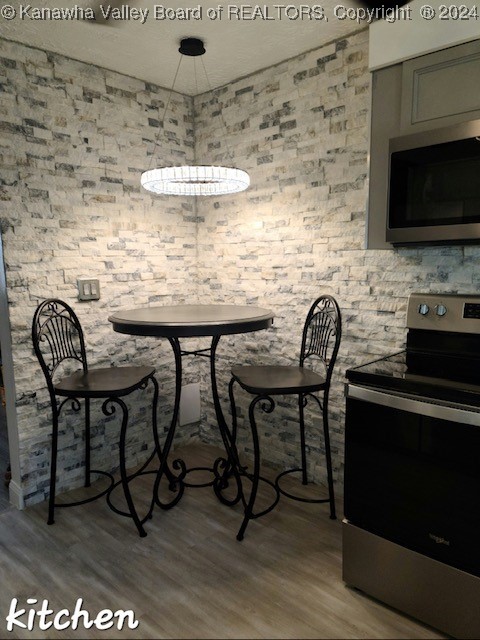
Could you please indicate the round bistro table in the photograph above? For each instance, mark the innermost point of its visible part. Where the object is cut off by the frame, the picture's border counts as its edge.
(189, 321)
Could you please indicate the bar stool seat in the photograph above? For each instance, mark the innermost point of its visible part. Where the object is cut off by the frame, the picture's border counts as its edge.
(278, 380)
(100, 383)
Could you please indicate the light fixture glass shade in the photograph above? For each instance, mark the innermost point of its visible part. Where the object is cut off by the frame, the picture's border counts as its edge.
(195, 180)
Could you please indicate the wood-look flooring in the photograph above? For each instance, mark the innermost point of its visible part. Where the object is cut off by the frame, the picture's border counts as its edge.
(190, 578)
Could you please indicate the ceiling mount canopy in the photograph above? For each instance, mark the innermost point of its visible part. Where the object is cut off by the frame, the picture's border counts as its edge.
(191, 47)
(194, 180)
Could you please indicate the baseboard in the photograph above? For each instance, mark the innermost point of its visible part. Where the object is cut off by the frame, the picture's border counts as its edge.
(16, 495)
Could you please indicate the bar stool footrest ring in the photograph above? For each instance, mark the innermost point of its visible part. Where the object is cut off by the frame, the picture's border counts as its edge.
(293, 496)
(272, 506)
(116, 485)
(94, 497)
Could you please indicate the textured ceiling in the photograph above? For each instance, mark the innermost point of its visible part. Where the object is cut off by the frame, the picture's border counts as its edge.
(239, 40)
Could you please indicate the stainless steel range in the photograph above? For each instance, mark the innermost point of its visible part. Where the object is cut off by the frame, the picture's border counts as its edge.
(412, 469)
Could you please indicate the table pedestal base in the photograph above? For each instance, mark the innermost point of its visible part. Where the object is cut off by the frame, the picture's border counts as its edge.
(225, 469)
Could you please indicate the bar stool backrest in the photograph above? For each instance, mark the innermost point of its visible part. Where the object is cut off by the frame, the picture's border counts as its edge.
(322, 333)
(58, 340)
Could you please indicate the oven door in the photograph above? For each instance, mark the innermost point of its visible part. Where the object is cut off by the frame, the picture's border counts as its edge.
(412, 473)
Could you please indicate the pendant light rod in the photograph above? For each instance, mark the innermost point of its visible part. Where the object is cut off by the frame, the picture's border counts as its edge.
(222, 119)
(167, 104)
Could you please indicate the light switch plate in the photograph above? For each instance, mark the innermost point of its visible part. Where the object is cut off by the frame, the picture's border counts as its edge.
(88, 289)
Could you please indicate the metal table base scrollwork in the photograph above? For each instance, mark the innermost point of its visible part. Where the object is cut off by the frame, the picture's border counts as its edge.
(192, 321)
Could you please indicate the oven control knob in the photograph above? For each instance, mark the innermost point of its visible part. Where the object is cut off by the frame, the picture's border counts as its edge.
(423, 309)
(440, 310)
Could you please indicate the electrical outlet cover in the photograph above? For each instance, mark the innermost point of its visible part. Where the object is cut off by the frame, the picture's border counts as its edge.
(189, 404)
(88, 289)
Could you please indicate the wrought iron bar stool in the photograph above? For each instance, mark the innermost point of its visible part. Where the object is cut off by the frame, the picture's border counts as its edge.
(320, 343)
(59, 345)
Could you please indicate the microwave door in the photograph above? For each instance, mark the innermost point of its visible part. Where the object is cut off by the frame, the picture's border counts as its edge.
(434, 191)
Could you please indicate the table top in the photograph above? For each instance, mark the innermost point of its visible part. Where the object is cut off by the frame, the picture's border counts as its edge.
(191, 320)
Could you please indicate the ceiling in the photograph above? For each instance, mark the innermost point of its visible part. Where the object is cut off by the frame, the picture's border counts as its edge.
(237, 45)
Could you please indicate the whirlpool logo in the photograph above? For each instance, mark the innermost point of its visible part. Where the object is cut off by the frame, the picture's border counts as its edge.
(439, 539)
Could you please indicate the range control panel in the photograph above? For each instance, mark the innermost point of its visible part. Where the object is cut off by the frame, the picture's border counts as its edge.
(444, 312)
(471, 310)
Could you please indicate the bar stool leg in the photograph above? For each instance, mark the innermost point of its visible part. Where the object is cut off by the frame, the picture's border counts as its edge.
(301, 405)
(53, 467)
(267, 407)
(256, 468)
(87, 442)
(108, 408)
(234, 431)
(328, 457)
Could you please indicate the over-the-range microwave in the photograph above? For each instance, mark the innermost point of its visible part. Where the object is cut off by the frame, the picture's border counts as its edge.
(434, 186)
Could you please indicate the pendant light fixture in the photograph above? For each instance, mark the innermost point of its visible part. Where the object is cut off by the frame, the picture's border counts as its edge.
(193, 180)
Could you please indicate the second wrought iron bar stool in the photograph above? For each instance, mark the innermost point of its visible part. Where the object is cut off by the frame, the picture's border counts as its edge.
(321, 337)
(59, 344)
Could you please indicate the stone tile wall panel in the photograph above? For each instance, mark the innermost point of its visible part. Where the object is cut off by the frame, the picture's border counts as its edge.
(300, 230)
(74, 139)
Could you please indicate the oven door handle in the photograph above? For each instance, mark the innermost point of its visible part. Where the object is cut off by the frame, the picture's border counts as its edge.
(421, 405)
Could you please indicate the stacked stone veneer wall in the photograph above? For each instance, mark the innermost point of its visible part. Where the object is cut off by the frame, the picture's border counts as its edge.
(73, 141)
(301, 130)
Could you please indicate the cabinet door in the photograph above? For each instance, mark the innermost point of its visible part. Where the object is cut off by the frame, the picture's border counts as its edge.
(441, 89)
(385, 124)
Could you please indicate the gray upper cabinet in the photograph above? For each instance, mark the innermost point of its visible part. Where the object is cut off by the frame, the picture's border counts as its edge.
(426, 93)
(441, 89)
(384, 124)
